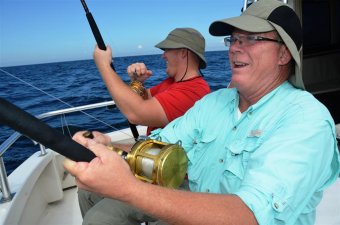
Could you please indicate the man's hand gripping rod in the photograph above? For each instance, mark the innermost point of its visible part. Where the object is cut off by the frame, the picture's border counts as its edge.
(95, 30)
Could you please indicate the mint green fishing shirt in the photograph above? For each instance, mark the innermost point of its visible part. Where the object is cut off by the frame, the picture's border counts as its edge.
(277, 157)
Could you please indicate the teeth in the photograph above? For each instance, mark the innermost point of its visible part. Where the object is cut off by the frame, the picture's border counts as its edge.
(239, 64)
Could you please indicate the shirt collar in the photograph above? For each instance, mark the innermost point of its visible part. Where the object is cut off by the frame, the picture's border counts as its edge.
(264, 99)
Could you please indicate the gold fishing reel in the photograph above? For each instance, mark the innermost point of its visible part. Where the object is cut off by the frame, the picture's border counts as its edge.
(157, 162)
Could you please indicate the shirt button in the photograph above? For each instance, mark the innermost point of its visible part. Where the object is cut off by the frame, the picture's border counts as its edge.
(207, 190)
(221, 160)
(234, 128)
(250, 113)
(276, 206)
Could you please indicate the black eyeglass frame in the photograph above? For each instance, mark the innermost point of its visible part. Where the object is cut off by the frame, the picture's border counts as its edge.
(229, 40)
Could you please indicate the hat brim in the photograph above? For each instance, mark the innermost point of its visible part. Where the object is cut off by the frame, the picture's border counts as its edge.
(169, 44)
(245, 22)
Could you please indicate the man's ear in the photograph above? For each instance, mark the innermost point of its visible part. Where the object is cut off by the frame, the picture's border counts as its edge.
(184, 52)
(285, 56)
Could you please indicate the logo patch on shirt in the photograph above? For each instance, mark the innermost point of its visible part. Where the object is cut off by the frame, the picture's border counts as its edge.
(255, 133)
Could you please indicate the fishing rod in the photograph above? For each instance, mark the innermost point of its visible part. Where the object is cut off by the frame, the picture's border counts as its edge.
(151, 161)
(32, 127)
(102, 46)
(95, 30)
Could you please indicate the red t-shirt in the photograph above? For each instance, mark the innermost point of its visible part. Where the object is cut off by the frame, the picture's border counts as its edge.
(177, 97)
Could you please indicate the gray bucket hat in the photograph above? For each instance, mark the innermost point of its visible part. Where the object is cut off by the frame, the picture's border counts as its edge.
(185, 38)
(265, 16)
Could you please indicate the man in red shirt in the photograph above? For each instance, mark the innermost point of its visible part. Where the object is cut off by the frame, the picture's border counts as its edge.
(156, 107)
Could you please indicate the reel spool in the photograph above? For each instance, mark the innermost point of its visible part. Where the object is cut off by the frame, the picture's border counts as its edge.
(157, 162)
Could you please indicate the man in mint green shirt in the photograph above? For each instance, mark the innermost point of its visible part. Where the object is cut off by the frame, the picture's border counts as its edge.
(260, 152)
(276, 156)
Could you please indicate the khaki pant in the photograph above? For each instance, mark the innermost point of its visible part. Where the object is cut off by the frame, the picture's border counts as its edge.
(98, 210)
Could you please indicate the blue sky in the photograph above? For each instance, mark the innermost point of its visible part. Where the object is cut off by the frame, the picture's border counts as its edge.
(41, 31)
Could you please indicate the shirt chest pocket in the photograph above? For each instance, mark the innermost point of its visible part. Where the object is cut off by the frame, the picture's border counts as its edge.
(237, 157)
(198, 156)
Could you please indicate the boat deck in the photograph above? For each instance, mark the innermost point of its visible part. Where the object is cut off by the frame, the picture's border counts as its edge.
(65, 211)
(328, 211)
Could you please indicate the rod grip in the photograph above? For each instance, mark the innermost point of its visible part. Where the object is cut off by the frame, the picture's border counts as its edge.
(97, 35)
(32, 127)
(96, 32)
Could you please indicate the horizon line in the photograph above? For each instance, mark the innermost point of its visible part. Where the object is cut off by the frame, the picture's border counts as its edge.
(75, 60)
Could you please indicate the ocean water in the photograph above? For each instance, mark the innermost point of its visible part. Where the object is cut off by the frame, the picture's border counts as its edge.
(53, 86)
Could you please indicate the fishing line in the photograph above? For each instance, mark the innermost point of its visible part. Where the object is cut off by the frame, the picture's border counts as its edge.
(62, 121)
(60, 100)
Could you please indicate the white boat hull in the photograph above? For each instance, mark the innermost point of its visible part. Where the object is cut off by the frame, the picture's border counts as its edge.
(44, 193)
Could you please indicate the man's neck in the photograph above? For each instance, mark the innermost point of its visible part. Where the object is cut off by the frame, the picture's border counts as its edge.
(189, 74)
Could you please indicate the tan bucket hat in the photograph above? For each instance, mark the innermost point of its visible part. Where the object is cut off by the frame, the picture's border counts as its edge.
(265, 16)
(185, 38)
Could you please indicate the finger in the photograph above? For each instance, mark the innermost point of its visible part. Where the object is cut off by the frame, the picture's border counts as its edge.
(137, 69)
(73, 167)
(69, 165)
(148, 73)
(135, 72)
(108, 48)
(101, 138)
(145, 76)
(130, 69)
(76, 169)
(143, 71)
(79, 137)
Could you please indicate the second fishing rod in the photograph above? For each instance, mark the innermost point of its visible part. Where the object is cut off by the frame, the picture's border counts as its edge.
(100, 42)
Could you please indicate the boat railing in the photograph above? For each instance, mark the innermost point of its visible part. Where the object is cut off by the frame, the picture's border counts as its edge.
(4, 185)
